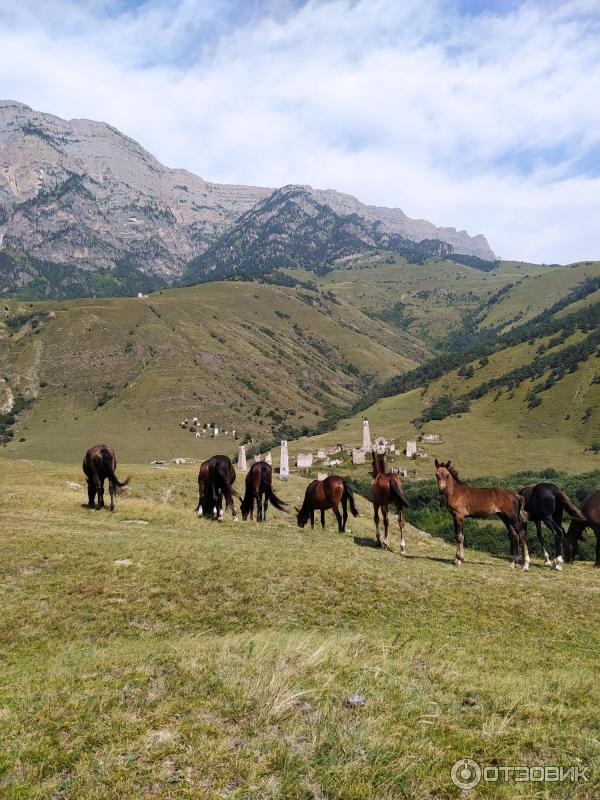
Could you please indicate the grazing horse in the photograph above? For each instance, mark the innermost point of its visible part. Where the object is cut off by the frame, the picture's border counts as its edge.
(215, 479)
(591, 511)
(546, 503)
(464, 501)
(328, 493)
(258, 486)
(100, 463)
(386, 490)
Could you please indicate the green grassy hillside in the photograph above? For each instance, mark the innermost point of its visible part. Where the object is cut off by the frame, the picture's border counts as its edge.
(528, 398)
(246, 356)
(151, 654)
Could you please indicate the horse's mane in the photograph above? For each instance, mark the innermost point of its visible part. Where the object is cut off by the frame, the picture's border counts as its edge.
(452, 470)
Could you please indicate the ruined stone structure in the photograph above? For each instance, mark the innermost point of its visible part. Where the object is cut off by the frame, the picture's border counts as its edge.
(304, 460)
(358, 456)
(241, 465)
(411, 449)
(215, 432)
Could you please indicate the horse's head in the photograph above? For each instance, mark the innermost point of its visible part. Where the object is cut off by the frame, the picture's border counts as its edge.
(301, 516)
(377, 463)
(571, 544)
(442, 476)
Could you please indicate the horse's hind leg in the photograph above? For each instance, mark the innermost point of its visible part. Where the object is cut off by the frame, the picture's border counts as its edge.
(322, 517)
(344, 513)
(312, 519)
(558, 535)
(338, 517)
(91, 493)
(258, 501)
(401, 524)
(265, 506)
(522, 539)
(230, 504)
(100, 493)
(596, 529)
(376, 521)
(541, 540)
(386, 527)
(112, 488)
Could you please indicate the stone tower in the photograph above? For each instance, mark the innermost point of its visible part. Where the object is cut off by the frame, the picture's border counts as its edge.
(284, 463)
(366, 435)
(241, 465)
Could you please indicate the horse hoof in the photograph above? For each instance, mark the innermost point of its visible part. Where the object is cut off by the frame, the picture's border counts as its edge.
(558, 568)
(526, 567)
(235, 519)
(457, 562)
(512, 564)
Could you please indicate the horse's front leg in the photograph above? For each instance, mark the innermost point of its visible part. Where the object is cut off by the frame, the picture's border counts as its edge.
(459, 536)
(323, 518)
(312, 519)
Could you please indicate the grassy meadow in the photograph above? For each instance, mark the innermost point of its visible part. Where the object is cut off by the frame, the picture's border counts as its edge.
(149, 654)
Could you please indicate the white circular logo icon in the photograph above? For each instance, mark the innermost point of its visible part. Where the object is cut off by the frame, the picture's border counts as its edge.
(465, 773)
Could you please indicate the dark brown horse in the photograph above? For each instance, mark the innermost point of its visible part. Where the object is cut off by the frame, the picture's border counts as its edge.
(591, 511)
(546, 503)
(465, 501)
(386, 490)
(215, 480)
(259, 482)
(328, 493)
(99, 464)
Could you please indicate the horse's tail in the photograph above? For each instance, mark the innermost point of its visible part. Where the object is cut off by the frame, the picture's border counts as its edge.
(350, 496)
(570, 506)
(108, 468)
(273, 499)
(397, 495)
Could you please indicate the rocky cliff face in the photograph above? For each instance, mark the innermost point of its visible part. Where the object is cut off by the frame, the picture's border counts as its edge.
(82, 195)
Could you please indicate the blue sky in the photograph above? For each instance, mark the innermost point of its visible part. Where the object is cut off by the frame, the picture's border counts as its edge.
(476, 115)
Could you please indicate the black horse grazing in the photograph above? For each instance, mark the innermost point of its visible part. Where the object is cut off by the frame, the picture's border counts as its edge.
(215, 479)
(328, 493)
(546, 503)
(99, 464)
(591, 513)
(258, 486)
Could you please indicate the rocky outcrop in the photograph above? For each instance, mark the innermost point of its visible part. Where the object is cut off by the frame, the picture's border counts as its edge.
(83, 195)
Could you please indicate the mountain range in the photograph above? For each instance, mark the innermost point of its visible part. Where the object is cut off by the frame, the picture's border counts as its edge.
(86, 210)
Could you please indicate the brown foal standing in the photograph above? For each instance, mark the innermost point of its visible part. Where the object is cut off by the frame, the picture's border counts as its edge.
(386, 490)
(465, 501)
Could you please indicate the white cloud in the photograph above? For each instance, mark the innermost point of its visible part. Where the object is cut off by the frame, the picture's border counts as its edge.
(480, 121)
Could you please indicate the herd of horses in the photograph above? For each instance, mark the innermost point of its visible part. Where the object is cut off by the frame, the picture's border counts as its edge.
(542, 503)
